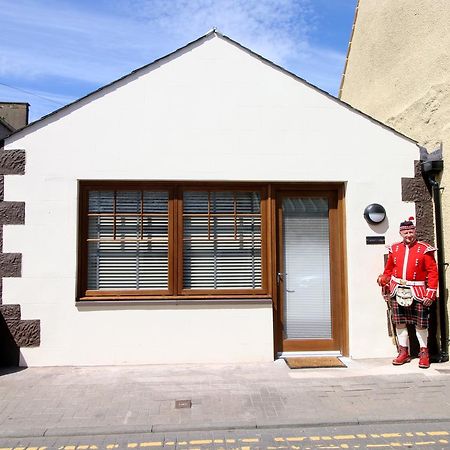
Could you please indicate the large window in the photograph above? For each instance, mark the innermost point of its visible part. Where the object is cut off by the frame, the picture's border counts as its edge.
(171, 240)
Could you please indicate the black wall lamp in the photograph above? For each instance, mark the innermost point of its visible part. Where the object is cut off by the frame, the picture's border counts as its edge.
(374, 214)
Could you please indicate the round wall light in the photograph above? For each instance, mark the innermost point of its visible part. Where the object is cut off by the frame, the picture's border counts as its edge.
(374, 213)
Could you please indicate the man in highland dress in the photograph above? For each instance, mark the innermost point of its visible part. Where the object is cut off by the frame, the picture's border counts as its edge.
(412, 276)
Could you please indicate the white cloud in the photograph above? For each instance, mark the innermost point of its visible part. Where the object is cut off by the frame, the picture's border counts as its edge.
(274, 28)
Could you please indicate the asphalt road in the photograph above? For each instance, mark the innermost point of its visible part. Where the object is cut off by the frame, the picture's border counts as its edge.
(423, 434)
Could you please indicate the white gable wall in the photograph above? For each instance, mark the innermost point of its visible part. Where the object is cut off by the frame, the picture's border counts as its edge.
(213, 113)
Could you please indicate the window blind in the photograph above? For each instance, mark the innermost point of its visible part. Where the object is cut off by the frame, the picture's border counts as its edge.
(128, 240)
(307, 309)
(222, 240)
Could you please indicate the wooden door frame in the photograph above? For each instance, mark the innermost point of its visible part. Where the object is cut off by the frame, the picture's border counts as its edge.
(337, 257)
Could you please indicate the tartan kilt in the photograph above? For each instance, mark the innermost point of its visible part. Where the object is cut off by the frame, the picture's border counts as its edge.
(416, 314)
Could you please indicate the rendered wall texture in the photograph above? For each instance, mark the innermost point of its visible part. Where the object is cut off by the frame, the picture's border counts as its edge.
(398, 72)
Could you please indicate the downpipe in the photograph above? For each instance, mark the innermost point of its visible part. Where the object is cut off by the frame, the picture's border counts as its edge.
(442, 301)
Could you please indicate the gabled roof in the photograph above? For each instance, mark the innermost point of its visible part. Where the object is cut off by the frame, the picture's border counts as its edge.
(200, 40)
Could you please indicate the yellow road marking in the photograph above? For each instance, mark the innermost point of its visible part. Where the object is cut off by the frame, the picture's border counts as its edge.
(330, 447)
(276, 439)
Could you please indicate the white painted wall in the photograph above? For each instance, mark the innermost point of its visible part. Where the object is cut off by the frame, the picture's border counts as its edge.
(215, 112)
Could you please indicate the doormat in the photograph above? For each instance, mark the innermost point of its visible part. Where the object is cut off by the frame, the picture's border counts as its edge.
(314, 362)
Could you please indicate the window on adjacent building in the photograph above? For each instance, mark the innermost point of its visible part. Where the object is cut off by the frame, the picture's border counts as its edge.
(171, 240)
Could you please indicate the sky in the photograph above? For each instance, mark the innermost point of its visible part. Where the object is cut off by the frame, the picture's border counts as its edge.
(53, 52)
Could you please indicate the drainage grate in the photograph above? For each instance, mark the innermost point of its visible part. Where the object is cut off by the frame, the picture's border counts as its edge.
(180, 404)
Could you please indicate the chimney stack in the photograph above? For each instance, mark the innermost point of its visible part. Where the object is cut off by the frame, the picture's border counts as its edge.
(15, 114)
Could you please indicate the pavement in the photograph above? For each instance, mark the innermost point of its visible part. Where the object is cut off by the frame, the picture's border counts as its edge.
(76, 401)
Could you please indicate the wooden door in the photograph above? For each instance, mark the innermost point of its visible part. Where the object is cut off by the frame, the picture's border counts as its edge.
(309, 272)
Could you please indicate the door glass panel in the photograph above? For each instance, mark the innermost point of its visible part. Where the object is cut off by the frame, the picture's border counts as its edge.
(307, 310)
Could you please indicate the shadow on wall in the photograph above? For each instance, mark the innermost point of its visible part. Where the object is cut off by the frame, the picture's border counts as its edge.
(9, 351)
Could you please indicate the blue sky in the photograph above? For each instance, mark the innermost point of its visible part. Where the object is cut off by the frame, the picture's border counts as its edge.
(60, 50)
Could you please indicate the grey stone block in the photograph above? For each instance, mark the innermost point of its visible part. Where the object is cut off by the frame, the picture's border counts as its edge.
(27, 333)
(12, 162)
(10, 312)
(10, 264)
(12, 213)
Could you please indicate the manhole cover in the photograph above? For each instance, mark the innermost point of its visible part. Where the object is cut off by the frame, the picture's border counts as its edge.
(179, 404)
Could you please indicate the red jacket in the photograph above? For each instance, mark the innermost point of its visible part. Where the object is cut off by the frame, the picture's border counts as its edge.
(413, 266)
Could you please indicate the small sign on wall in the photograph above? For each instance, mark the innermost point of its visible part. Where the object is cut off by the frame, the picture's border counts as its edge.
(375, 240)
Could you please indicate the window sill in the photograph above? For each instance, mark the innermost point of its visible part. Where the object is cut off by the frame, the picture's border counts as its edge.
(173, 301)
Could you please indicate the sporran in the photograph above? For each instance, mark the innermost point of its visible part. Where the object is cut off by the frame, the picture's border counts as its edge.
(404, 296)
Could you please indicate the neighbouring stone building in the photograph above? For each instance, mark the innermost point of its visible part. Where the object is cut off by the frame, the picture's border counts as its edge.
(398, 71)
(13, 116)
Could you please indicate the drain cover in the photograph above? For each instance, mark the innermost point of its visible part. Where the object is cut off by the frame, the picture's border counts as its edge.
(179, 404)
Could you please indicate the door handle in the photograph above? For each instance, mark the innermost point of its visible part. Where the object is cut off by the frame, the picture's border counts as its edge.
(280, 277)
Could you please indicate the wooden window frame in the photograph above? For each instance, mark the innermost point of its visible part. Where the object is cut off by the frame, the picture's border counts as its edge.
(175, 245)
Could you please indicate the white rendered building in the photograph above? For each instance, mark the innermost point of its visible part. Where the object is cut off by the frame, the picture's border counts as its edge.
(207, 207)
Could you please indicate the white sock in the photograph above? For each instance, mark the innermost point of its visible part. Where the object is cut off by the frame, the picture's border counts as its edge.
(402, 335)
(422, 337)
